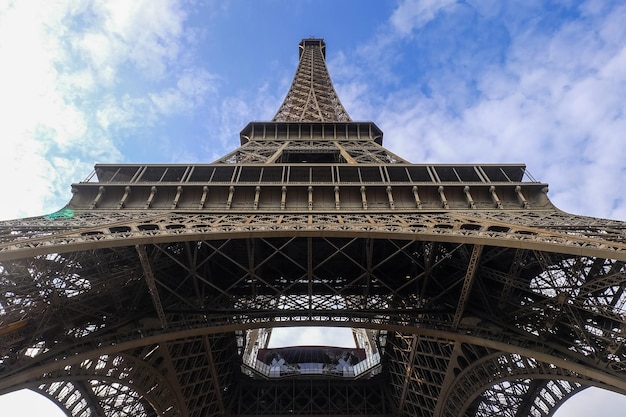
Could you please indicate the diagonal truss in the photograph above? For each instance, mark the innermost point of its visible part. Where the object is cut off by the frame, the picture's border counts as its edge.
(474, 295)
(312, 97)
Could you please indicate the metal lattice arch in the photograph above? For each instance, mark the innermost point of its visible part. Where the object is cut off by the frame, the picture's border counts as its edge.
(155, 290)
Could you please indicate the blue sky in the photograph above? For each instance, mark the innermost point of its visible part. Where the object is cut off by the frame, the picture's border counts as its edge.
(174, 81)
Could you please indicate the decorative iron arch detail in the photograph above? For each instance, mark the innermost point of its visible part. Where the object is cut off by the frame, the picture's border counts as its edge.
(97, 383)
(152, 283)
(500, 372)
(171, 227)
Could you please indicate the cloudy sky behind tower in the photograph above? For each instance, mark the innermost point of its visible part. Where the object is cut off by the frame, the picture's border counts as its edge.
(174, 81)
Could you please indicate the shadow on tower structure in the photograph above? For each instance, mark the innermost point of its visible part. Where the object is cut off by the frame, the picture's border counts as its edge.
(155, 290)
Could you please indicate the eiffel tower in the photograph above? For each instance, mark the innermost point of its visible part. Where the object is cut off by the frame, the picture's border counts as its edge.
(154, 292)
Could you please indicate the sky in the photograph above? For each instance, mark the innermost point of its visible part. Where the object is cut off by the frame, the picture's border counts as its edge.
(448, 81)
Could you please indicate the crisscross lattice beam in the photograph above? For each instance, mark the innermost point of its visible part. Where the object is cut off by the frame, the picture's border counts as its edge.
(152, 291)
(312, 96)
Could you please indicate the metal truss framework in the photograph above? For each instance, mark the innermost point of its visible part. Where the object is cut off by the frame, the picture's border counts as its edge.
(482, 297)
(312, 96)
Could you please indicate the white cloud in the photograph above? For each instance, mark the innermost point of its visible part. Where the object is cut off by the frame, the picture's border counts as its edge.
(123, 112)
(311, 336)
(145, 33)
(353, 90)
(61, 62)
(233, 114)
(190, 93)
(555, 103)
(37, 117)
(413, 14)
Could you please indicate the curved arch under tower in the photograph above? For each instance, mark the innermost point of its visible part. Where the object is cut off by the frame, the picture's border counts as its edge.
(154, 291)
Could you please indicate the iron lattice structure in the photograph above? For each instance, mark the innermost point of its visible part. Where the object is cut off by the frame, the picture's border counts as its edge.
(143, 295)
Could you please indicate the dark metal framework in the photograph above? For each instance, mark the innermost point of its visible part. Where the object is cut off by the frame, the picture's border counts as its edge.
(138, 298)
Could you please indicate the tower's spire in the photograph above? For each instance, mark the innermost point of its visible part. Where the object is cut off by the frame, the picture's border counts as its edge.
(312, 97)
(155, 291)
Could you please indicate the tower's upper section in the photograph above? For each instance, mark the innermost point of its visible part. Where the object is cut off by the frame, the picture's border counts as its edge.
(310, 157)
(312, 97)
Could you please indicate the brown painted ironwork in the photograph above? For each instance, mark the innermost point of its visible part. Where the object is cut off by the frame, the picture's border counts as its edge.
(144, 294)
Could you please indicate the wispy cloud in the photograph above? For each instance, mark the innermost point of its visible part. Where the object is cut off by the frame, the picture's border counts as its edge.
(68, 87)
(550, 95)
(448, 81)
(414, 14)
(192, 89)
(143, 33)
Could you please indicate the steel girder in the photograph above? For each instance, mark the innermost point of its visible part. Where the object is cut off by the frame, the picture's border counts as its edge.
(312, 96)
(482, 297)
(449, 342)
(547, 230)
